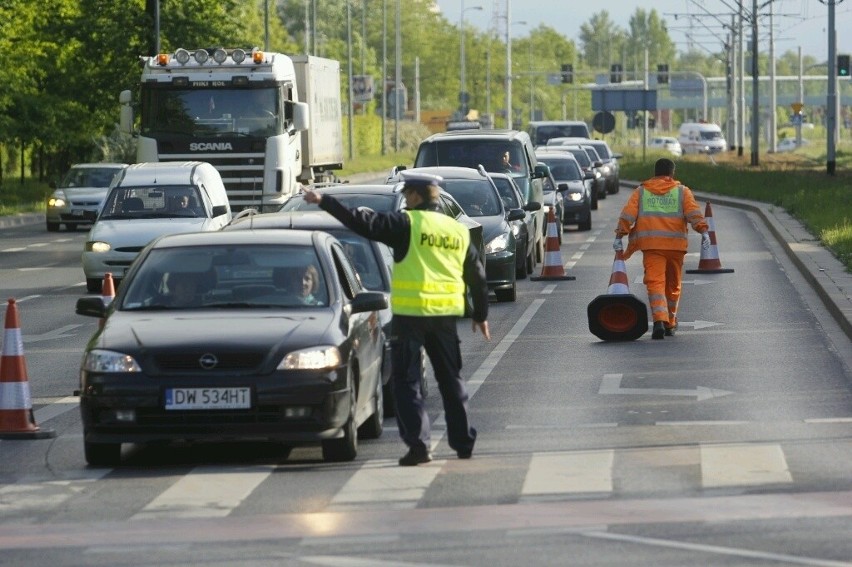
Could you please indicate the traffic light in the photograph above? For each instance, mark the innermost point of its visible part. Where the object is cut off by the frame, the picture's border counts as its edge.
(662, 73)
(615, 73)
(842, 65)
(567, 73)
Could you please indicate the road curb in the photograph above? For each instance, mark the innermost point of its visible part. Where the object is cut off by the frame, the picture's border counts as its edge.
(21, 219)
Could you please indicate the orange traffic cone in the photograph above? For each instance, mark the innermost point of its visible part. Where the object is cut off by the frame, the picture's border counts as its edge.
(553, 268)
(618, 315)
(709, 262)
(107, 293)
(16, 408)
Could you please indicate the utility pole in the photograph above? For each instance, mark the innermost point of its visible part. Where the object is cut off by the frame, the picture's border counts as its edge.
(755, 90)
(773, 88)
(831, 100)
(741, 136)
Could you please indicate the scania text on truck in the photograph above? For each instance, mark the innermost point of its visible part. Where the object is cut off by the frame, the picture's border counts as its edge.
(267, 121)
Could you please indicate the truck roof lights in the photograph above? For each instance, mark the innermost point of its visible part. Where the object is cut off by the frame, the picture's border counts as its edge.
(238, 55)
(201, 56)
(257, 56)
(182, 56)
(162, 59)
(219, 56)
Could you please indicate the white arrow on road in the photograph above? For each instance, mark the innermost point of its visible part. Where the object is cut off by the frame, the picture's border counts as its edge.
(639, 279)
(697, 324)
(60, 333)
(611, 385)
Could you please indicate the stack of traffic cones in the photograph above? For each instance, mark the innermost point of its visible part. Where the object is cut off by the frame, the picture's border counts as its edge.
(709, 262)
(107, 293)
(552, 268)
(618, 315)
(16, 409)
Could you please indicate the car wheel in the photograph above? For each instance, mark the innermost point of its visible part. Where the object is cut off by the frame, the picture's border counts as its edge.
(70, 227)
(53, 227)
(345, 448)
(504, 295)
(102, 454)
(602, 194)
(594, 201)
(585, 225)
(94, 284)
(373, 427)
(521, 263)
(617, 186)
(530, 262)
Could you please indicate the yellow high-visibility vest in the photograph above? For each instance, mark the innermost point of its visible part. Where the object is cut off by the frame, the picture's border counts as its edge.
(428, 281)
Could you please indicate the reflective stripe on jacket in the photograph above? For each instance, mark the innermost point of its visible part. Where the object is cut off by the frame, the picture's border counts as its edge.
(656, 216)
(428, 281)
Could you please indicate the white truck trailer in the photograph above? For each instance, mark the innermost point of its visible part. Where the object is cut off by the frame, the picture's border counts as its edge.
(268, 122)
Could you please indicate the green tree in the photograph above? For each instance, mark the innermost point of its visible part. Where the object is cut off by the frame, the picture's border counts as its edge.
(602, 41)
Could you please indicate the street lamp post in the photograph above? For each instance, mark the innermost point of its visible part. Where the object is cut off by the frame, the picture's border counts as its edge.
(509, 23)
(462, 82)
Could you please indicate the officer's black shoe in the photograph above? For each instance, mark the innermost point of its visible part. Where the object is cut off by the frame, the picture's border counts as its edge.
(415, 457)
(670, 331)
(465, 453)
(659, 330)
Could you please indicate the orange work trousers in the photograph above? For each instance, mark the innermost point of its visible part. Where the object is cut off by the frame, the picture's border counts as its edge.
(663, 275)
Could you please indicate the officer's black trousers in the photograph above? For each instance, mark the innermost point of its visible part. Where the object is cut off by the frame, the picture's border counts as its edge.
(439, 336)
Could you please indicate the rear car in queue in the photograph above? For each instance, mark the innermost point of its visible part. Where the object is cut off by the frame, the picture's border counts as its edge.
(255, 335)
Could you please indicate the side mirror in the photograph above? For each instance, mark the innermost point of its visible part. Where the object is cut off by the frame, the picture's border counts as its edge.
(617, 156)
(541, 171)
(219, 210)
(91, 307)
(532, 206)
(301, 116)
(598, 164)
(589, 175)
(125, 113)
(515, 214)
(563, 187)
(369, 301)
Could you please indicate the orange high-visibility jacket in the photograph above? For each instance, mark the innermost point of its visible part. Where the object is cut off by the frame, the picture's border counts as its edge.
(656, 214)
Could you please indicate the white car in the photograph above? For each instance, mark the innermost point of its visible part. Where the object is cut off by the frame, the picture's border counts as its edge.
(789, 144)
(666, 143)
(148, 200)
(80, 194)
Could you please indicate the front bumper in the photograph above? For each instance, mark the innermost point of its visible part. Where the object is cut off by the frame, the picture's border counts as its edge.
(576, 213)
(500, 269)
(96, 264)
(105, 397)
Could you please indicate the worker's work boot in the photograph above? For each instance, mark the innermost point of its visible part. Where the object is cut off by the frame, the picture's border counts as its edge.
(670, 331)
(659, 330)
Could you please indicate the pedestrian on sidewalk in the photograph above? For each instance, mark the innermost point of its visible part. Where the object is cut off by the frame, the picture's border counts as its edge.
(655, 218)
(433, 262)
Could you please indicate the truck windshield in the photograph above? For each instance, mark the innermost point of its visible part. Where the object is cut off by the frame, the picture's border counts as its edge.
(210, 112)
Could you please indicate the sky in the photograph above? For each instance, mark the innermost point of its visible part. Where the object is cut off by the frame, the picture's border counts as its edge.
(797, 23)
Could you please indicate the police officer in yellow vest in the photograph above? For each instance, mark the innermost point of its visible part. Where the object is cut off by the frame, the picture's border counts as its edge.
(433, 261)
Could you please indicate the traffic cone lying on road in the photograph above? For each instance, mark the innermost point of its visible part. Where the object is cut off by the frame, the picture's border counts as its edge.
(16, 408)
(618, 315)
(553, 269)
(709, 262)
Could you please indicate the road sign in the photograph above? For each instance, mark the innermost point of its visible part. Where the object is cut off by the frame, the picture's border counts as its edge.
(362, 88)
(603, 122)
(624, 99)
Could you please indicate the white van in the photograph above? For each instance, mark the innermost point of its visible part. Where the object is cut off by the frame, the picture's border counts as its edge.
(147, 200)
(701, 138)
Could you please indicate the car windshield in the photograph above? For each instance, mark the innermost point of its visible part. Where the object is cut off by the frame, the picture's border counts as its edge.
(89, 177)
(581, 156)
(564, 169)
(225, 277)
(603, 151)
(477, 198)
(545, 133)
(507, 193)
(473, 153)
(377, 202)
(153, 202)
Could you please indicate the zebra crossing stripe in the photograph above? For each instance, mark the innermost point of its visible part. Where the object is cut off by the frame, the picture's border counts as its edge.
(555, 474)
(383, 484)
(743, 465)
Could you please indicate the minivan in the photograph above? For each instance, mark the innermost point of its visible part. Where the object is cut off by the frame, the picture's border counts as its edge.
(701, 138)
(498, 151)
(543, 130)
(147, 200)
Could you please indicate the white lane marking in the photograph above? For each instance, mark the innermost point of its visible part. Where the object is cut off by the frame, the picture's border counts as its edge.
(743, 465)
(548, 289)
(556, 474)
(563, 426)
(830, 420)
(719, 550)
(206, 492)
(494, 357)
(37, 269)
(611, 385)
(60, 333)
(30, 497)
(38, 245)
(13, 250)
(584, 247)
(27, 298)
(708, 422)
(56, 408)
(384, 485)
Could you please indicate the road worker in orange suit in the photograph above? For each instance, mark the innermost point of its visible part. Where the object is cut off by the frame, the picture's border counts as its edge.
(655, 218)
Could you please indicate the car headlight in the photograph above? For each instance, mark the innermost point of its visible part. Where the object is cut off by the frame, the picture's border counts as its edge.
(314, 358)
(498, 244)
(57, 199)
(98, 360)
(97, 246)
(575, 196)
(605, 169)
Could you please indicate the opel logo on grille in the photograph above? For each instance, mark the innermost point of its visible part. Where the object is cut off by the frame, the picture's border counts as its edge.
(208, 361)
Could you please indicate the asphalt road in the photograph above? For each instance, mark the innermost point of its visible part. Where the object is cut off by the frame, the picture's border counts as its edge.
(728, 444)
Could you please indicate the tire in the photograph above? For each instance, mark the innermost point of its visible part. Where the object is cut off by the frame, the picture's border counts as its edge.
(584, 226)
(102, 454)
(505, 295)
(94, 284)
(53, 227)
(70, 227)
(521, 267)
(530, 262)
(346, 447)
(373, 427)
(594, 202)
